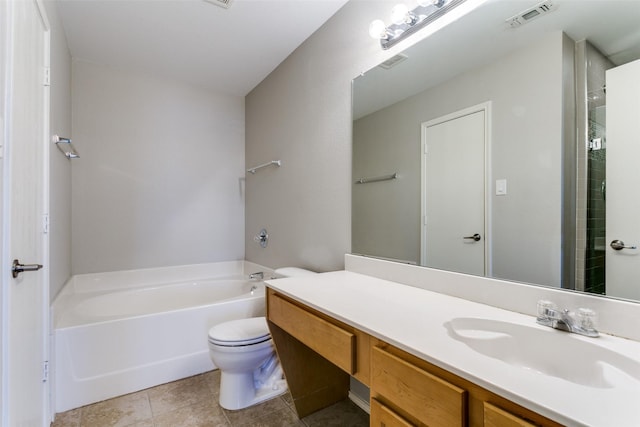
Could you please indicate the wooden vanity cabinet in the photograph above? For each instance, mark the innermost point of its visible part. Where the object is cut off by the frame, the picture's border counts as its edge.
(383, 416)
(441, 398)
(417, 395)
(319, 353)
(496, 417)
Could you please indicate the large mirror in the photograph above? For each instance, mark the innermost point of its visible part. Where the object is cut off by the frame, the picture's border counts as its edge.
(507, 150)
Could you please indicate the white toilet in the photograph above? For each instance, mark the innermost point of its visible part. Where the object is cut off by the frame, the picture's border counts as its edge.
(244, 352)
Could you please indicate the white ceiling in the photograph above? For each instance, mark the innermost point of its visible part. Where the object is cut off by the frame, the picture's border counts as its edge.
(227, 50)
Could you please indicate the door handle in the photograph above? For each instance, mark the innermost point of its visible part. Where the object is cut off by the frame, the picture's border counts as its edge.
(618, 245)
(476, 237)
(17, 268)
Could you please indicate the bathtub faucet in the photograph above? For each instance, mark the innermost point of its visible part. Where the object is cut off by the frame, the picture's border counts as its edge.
(258, 275)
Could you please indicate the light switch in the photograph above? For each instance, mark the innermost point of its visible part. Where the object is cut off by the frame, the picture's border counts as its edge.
(501, 187)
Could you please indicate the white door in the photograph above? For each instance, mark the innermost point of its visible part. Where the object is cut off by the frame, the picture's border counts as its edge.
(453, 191)
(623, 180)
(25, 297)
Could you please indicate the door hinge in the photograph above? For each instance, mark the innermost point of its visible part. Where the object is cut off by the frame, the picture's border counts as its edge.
(45, 371)
(47, 76)
(45, 223)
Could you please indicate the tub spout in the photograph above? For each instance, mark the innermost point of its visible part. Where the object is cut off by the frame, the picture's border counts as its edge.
(258, 275)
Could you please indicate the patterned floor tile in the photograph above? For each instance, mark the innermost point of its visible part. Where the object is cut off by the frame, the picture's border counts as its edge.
(204, 414)
(341, 414)
(279, 418)
(169, 397)
(193, 402)
(68, 419)
(249, 415)
(118, 412)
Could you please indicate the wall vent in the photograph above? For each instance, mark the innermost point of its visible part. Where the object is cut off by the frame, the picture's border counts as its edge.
(222, 3)
(393, 61)
(531, 14)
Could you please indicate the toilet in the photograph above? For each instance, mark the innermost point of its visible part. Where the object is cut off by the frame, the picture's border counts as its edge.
(243, 350)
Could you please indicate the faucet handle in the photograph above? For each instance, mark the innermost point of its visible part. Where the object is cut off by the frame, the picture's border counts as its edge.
(587, 318)
(544, 306)
(257, 275)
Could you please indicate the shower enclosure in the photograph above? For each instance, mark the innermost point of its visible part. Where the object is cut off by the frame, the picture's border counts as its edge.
(591, 190)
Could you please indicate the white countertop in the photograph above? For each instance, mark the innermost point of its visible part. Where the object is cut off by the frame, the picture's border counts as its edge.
(413, 319)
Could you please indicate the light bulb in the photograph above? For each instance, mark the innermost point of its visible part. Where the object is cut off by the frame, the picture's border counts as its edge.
(399, 13)
(378, 30)
(437, 3)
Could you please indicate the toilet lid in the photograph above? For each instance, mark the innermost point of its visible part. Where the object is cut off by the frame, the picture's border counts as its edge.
(240, 332)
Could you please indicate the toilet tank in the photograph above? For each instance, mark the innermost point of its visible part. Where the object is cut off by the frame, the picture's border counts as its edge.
(293, 272)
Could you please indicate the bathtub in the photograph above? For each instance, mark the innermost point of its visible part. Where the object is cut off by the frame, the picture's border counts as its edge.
(120, 332)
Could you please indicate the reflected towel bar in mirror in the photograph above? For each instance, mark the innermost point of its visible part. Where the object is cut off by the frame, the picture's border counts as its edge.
(264, 165)
(377, 178)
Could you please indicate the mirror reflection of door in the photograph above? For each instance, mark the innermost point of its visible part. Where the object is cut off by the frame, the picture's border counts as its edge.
(623, 180)
(453, 233)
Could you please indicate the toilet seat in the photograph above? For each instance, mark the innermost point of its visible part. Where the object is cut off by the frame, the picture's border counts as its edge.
(239, 333)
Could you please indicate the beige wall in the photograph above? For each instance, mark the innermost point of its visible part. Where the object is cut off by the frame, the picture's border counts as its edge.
(60, 167)
(159, 178)
(301, 114)
(525, 149)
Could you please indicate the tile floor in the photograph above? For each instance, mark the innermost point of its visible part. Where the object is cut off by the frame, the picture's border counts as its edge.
(193, 402)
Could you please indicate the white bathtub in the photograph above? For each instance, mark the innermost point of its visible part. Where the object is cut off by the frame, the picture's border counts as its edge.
(119, 332)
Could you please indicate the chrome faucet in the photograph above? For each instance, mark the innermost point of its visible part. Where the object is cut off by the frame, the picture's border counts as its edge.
(582, 322)
(258, 275)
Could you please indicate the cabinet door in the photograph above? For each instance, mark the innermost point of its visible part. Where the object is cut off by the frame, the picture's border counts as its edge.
(496, 417)
(381, 416)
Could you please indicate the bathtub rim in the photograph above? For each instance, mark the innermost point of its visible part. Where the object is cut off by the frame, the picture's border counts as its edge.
(79, 282)
(68, 297)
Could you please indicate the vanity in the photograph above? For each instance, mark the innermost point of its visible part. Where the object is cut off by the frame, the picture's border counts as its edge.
(441, 348)
(438, 360)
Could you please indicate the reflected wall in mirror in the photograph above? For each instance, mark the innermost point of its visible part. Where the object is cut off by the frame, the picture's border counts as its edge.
(544, 203)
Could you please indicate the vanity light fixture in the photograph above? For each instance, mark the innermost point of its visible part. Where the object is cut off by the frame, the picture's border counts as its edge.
(405, 22)
(400, 14)
(226, 4)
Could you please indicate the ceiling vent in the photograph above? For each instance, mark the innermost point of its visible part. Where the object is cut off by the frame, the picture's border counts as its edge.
(393, 61)
(531, 14)
(222, 3)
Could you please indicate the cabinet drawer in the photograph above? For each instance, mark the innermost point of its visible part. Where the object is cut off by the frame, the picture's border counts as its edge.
(429, 399)
(381, 416)
(330, 341)
(496, 417)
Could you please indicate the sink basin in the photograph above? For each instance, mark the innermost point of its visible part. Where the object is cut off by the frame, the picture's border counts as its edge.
(547, 351)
